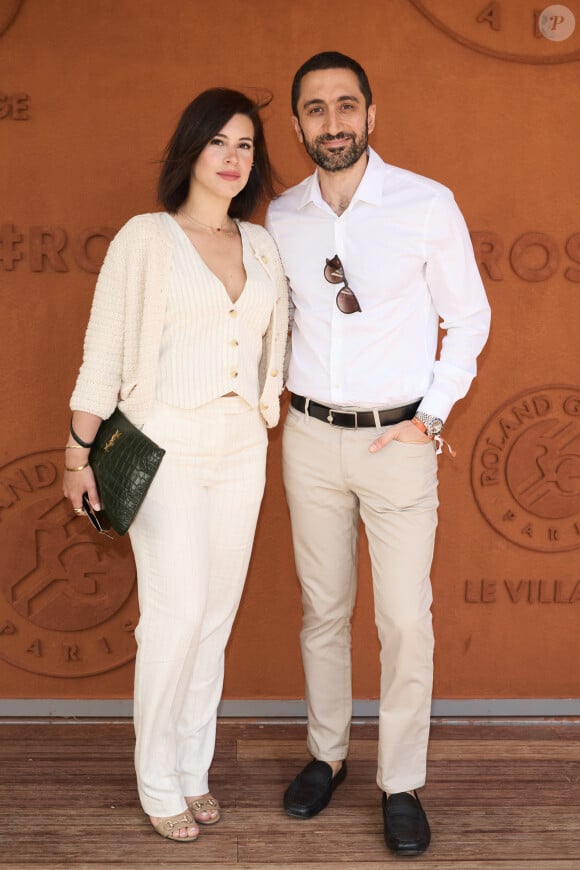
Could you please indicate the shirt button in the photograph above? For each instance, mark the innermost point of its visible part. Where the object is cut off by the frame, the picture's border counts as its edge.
(274, 373)
(234, 373)
(234, 343)
(264, 407)
(233, 313)
(264, 258)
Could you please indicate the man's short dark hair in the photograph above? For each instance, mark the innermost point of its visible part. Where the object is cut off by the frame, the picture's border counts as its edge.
(330, 60)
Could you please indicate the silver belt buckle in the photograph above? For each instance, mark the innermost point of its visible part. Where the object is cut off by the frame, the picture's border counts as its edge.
(330, 418)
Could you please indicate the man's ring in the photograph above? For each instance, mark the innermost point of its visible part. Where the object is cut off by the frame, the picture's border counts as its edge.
(78, 510)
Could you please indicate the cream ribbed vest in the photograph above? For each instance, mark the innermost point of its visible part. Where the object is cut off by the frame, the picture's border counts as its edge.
(210, 345)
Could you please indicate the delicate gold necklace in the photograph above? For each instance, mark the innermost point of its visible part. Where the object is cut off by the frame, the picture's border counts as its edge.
(209, 226)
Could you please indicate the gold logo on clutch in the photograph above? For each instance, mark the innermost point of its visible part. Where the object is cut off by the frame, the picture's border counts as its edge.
(112, 440)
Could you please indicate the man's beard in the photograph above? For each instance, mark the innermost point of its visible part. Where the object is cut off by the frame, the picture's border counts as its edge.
(337, 160)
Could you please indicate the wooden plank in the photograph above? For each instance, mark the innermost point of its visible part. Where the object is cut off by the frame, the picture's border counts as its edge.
(366, 750)
(556, 864)
(334, 848)
(496, 798)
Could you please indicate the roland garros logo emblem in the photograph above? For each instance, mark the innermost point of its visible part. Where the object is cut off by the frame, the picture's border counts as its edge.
(526, 469)
(67, 596)
(8, 11)
(522, 32)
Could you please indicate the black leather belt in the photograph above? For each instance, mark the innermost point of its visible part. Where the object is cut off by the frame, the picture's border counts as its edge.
(354, 419)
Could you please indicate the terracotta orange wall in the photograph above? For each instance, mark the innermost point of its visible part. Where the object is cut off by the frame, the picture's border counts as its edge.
(90, 93)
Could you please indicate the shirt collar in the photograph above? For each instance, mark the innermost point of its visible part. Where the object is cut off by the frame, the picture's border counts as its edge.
(370, 188)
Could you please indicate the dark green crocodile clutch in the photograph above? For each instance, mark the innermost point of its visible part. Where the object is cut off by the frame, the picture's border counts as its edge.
(124, 462)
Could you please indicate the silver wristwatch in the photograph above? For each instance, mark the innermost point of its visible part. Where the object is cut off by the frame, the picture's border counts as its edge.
(433, 425)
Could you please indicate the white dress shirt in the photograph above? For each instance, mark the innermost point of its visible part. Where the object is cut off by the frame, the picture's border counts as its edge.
(408, 258)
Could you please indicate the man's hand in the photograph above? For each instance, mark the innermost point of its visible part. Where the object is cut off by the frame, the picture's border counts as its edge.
(405, 431)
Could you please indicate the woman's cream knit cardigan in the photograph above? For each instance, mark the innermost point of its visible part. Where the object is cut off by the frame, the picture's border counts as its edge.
(123, 337)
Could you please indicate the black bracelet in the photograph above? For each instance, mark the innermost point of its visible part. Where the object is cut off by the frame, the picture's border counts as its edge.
(76, 437)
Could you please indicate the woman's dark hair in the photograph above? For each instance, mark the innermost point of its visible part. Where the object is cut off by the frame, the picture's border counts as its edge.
(200, 122)
(330, 60)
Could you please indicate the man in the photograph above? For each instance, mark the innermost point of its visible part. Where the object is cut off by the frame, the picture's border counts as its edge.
(376, 258)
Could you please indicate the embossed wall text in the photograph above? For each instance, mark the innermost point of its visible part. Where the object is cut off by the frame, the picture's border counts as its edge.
(502, 29)
(14, 107)
(486, 591)
(51, 248)
(532, 256)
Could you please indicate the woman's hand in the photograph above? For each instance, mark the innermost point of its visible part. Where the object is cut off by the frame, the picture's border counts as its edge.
(78, 475)
(406, 432)
(76, 483)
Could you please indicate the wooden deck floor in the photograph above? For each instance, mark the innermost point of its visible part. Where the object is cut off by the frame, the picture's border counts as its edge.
(498, 796)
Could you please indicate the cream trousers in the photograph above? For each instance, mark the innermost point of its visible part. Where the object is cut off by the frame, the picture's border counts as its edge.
(331, 480)
(192, 541)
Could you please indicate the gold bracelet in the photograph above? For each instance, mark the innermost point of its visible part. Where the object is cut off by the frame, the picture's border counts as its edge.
(78, 468)
(75, 447)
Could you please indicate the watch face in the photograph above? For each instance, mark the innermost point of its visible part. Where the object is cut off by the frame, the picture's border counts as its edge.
(433, 425)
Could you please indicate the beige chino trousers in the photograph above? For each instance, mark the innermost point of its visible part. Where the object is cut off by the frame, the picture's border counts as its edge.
(192, 541)
(331, 480)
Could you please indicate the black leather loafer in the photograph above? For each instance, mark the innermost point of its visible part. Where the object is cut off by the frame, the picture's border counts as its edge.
(406, 827)
(312, 789)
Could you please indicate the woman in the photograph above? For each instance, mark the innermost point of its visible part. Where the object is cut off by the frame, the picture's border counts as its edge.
(187, 335)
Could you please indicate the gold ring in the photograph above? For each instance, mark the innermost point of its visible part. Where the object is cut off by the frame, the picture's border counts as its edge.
(78, 510)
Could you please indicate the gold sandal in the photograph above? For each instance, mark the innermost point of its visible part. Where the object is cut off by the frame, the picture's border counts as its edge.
(165, 827)
(205, 805)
